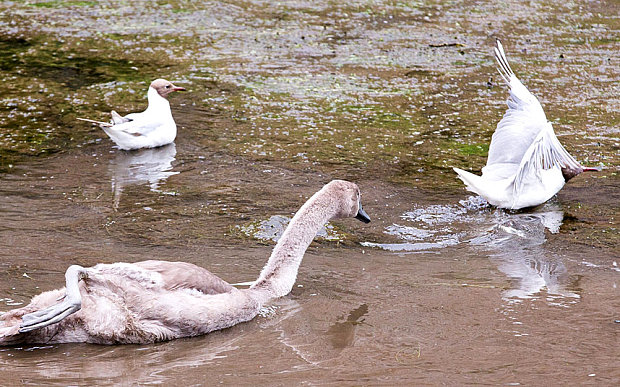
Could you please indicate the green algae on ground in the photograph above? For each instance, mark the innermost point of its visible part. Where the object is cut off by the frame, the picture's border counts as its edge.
(62, 4)
(410, 85)
(473, 149)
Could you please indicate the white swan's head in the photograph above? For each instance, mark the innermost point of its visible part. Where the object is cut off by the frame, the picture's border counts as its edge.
(348, 198)
(164, 87)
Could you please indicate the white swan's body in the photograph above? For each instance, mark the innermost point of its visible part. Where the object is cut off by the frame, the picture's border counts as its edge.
(149, 129)
(153, 301)
(526, 165)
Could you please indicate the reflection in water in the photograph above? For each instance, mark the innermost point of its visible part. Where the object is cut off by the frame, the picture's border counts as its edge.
(65, 362)
(343, 333)
(513, 241)
(312, 339)
(152, 166)
(126, 364)
(517, 247)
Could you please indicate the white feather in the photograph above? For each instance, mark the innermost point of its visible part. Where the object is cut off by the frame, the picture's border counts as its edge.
(525, 161)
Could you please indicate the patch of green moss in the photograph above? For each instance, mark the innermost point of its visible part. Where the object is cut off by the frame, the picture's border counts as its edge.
(473, 149)
(61, 4)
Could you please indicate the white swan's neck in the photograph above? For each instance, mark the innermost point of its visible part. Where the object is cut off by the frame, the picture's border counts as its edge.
(278, 276)
(157, 104)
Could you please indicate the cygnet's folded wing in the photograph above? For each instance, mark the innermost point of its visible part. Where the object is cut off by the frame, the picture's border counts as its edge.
(183, 275)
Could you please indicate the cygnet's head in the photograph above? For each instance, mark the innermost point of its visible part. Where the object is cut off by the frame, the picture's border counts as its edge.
(348, 197)
(164, 87)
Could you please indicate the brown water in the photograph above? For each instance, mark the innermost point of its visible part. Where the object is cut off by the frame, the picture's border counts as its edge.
(283, 97)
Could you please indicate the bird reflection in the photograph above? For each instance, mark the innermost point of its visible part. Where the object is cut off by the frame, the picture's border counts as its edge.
(159, 363)
(518, 250)
(514, 241)
(147, 166)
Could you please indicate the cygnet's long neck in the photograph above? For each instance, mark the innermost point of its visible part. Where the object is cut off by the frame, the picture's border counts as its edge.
(278, 276)
(157, 104)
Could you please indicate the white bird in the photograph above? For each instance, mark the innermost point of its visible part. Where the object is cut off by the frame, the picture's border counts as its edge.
(526, 165)
(149, 129)
(153, 301)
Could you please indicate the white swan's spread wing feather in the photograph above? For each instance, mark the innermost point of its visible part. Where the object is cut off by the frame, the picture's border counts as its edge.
(514, 134)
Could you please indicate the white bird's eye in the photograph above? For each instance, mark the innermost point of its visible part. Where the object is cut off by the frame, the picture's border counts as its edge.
(167, 86)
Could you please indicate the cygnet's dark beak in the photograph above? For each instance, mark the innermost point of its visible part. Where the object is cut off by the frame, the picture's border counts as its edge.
(362, 215)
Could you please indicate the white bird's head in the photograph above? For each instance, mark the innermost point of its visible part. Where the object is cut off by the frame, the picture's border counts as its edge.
(164, 87)
(568, 172)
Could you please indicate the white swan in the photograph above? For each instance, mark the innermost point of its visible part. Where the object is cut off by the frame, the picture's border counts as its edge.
(149, 129)
(153, 301)
(526, 165)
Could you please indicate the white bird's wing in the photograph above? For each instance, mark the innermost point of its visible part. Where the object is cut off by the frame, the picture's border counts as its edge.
(118, 119)
(137, 127)
(100, 123)
(546, 152)
(524, 136)
(522, 122)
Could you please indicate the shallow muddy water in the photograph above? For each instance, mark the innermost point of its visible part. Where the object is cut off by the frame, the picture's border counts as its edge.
(283, 97)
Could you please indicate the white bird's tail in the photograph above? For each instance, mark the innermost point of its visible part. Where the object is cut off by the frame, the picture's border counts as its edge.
(471, 181)
(100, 123)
